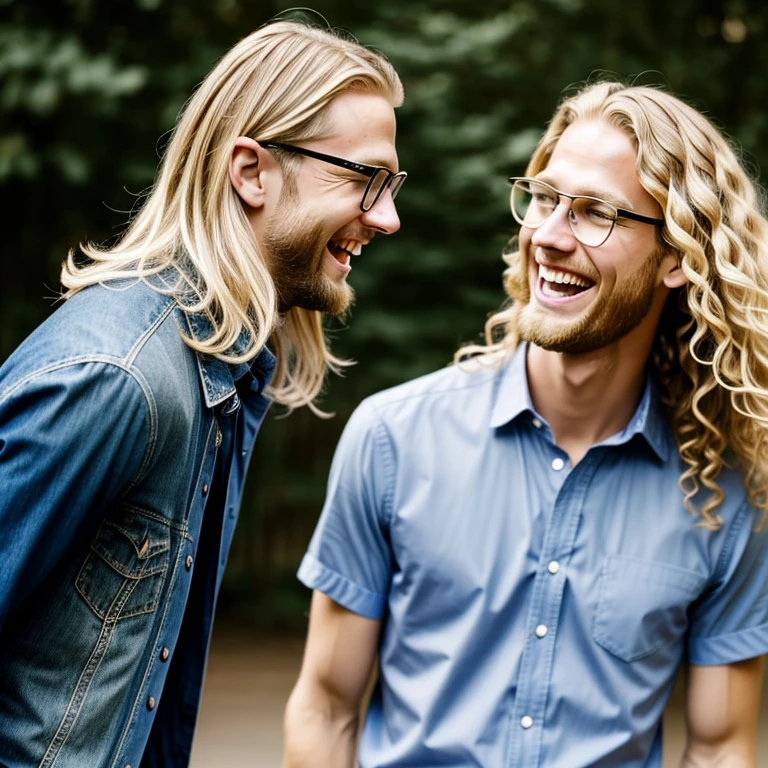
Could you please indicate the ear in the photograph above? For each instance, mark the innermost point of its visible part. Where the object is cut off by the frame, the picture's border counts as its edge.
(671, 271)
(246, 171)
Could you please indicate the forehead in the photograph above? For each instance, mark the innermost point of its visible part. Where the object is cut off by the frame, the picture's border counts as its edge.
(362, 128)
(593, 157)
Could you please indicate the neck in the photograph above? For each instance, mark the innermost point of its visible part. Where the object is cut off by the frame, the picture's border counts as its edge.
(586, 398)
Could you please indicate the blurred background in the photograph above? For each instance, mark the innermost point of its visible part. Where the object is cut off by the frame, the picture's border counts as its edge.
(89, 91)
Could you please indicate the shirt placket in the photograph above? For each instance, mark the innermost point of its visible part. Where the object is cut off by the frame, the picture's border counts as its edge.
(537, 660)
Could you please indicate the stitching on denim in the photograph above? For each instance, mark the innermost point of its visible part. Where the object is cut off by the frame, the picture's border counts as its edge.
(115, 363)
(80, 692)
(174, 573)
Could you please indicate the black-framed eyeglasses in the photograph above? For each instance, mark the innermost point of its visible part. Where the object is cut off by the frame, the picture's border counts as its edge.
(590, 218)
(379, 177)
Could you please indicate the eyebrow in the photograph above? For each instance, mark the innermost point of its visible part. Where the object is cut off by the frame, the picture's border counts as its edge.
(610, 197)
(378, 164)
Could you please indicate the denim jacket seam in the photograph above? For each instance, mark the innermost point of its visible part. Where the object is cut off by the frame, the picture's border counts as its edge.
(148, 332)
(132, 719)
(118, 363)
(79, 695)
(150, 666)
(180, 528)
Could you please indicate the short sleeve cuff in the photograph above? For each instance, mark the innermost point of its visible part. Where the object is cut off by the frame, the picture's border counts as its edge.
(313, 574)
(728, 649)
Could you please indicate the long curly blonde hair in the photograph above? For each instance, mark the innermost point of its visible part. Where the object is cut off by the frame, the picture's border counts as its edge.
(275, 83)
(711, 348)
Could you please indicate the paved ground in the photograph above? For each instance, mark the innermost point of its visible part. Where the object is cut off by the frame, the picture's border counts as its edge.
(249, 680)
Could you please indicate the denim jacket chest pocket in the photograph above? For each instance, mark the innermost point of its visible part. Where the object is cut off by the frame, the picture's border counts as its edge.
(642, 606)
(123, 574)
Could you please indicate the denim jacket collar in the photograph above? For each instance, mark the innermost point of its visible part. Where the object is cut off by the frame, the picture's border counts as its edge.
(218, 378)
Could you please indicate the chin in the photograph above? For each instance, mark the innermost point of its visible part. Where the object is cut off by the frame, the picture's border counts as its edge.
(332, 300)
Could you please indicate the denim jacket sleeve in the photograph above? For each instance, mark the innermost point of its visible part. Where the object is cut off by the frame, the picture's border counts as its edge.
(73, 436)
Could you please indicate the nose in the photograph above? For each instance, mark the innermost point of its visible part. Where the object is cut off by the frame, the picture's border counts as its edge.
(555, 232)
(383, 215)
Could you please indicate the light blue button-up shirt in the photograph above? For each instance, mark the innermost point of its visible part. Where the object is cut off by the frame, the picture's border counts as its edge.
(533, 613)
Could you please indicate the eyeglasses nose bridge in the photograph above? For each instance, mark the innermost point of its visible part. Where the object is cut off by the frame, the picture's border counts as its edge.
(567, 202)
(558, 218)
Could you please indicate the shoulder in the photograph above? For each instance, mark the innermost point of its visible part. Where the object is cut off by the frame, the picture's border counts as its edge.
(452, 396)
(444, 388)
(102, 325)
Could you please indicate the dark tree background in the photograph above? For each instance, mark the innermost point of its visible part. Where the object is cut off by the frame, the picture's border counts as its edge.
(89, 90)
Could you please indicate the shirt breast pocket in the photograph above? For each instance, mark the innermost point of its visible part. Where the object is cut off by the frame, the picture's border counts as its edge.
(123, 574)
(642, 606)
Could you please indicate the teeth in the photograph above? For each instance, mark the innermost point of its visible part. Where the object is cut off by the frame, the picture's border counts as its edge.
(352, 247)
(562, 278)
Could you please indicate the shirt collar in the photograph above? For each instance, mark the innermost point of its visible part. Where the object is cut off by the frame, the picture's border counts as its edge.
(649, 421)
(513, 398)
(512, 394)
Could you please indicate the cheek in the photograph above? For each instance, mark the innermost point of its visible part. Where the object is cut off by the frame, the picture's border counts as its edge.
(526, 250)
(619, 260)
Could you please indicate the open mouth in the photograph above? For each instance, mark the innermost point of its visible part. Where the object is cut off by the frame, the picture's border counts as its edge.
(557, 284)
(344, 250)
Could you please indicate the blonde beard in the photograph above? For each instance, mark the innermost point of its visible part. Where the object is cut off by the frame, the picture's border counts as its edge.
(294, 250)
(605, 322)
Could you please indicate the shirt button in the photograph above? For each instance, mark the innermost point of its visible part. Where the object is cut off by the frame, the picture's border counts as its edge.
(557, 464)
(553, 567)
(541, 630)
(205, 489)
(188, 562)
(536, 423)
(526, 721)
(151, 703)
(164, 654)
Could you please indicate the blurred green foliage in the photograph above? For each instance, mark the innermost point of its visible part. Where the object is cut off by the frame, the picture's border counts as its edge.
(89, 89)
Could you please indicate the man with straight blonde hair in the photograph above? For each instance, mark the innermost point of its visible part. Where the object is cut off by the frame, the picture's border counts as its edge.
(128, 418)
(536, 538)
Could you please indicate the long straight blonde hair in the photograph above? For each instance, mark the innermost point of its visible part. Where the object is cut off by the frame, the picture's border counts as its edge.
(276, 84)
(711, 349)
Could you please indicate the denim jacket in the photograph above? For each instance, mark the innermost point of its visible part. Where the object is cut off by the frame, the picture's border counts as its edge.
(111, 430)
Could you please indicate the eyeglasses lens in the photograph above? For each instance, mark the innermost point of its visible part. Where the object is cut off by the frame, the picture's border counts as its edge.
(591, 220)
(375, 188)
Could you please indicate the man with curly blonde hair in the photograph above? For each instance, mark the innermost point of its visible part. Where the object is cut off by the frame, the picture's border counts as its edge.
(128, 418)
(535, 539)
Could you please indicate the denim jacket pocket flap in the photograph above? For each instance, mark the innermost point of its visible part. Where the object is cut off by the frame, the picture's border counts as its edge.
(124, 570)
(642, 606)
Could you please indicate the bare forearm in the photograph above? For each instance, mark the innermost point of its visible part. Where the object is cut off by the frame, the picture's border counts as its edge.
(722, 710)
(317, 736)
